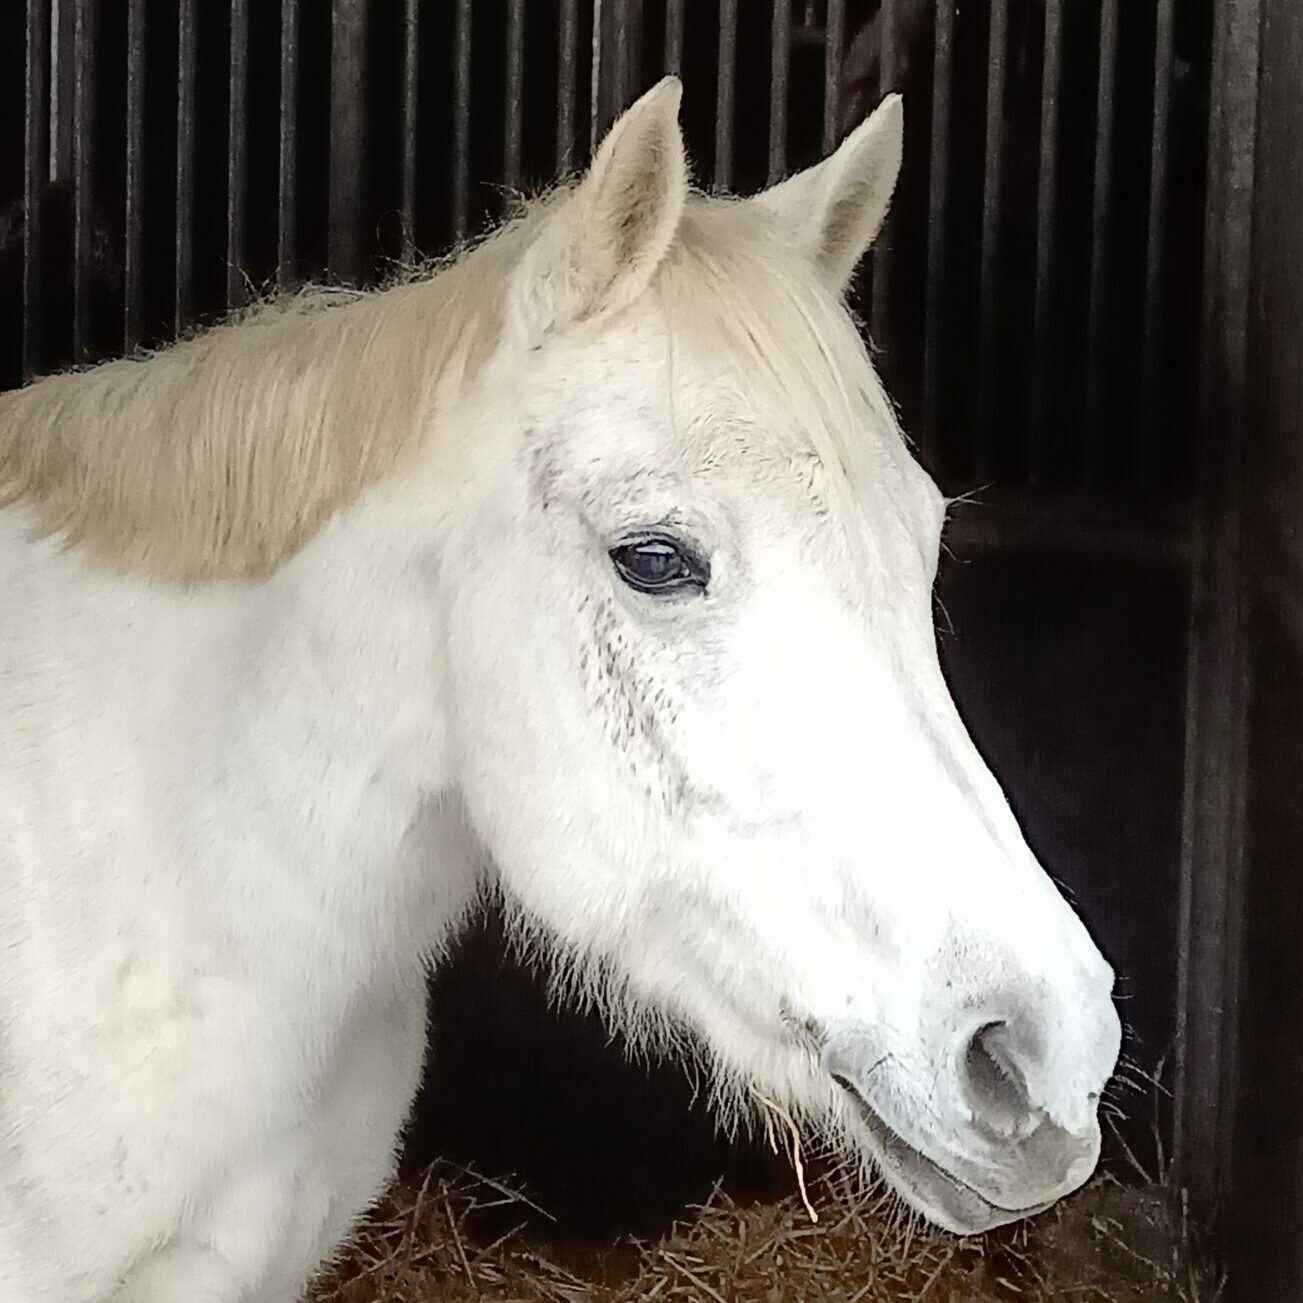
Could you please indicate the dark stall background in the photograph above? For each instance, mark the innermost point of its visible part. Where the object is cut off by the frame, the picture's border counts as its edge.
(1087, 304)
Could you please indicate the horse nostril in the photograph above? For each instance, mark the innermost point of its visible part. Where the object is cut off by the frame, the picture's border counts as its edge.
(994, 1085)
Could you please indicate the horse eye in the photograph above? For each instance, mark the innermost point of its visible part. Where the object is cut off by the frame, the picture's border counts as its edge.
(659, 565)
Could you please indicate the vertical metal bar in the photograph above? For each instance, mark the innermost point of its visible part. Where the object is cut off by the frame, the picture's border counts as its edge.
(780, 59)
(617, 59)
(236, 151)
(515, 93)
(725, 94)
(1156, 249)
(1046, 233)
(1101, 231)
(83, 235)
(461, 129)
(132, 250)
(63, 74)
(674, 36)
(617, 34)
(411, 103)
(888, 57)
(633, 57)
(989, 313)
(631, 50)
(880, 303)
(1212, 832)
(1213, 646)
(287, 181)
(35, 165)
(567, 72)
(347, 91)
(595, 80)
(187, 36)
(834, 43)
(938, 214)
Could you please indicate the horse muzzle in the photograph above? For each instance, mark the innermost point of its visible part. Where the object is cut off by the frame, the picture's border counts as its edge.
(977, 1142)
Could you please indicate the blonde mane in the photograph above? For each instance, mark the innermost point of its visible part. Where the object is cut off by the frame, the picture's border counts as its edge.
(223, 455)
(220, 456)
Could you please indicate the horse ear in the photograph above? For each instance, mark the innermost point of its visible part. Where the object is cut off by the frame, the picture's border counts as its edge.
(837, 207)
(601, 246)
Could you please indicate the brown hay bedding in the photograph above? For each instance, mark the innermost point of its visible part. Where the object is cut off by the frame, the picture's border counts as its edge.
(456, 1237)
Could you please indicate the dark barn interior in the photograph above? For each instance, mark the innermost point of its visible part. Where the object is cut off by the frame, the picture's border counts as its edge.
(1088, 305)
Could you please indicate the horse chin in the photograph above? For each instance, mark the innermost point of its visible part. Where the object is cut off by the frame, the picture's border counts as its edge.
(926, 1186)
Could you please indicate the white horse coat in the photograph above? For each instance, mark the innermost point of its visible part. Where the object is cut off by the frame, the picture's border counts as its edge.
(591, 570)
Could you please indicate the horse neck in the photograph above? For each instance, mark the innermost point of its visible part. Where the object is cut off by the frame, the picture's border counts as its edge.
(330, 753)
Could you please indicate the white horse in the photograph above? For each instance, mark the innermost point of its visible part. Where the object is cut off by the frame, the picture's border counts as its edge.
(592, 570)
